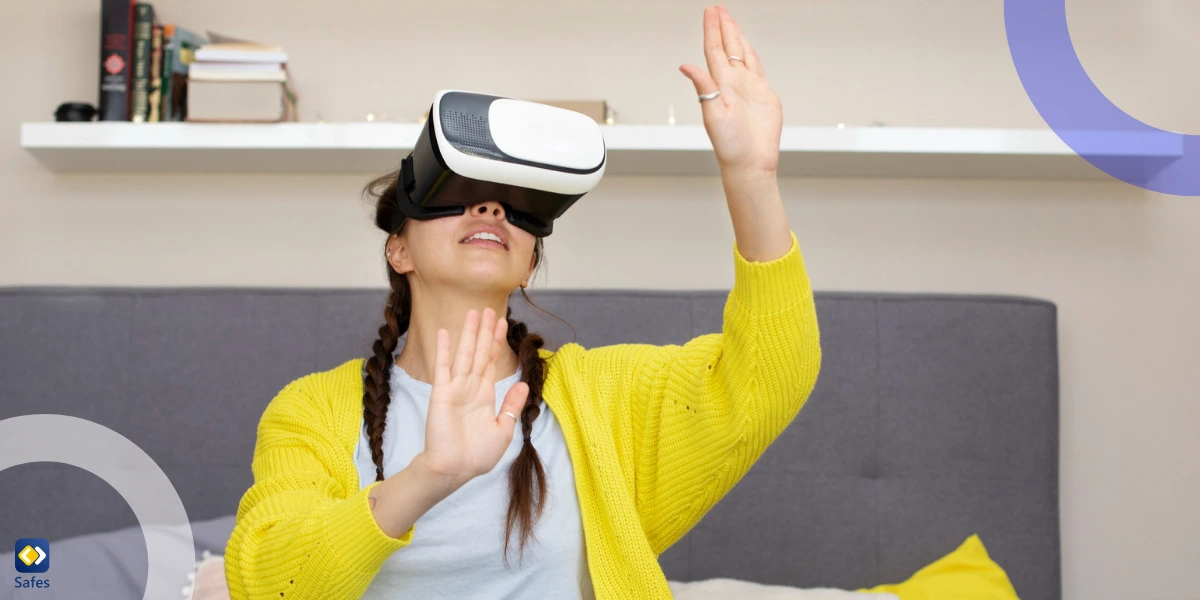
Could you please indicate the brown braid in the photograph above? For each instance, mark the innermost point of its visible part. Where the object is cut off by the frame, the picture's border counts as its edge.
(377, 385)
(526, 476)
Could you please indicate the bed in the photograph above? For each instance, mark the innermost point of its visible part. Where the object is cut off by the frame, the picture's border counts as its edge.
(935, 417)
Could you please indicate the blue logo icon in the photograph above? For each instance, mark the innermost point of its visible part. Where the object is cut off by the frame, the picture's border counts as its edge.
(1082, 116)
(32, 555)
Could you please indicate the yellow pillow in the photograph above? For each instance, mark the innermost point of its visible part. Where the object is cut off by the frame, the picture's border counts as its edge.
(968, 573)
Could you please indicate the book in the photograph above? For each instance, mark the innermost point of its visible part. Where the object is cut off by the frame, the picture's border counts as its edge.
(156, 56)
(164, 101)
(143, 31)
(237, 72)
(238, 101)
(116, 24)
(184, 43)
(180, 45)
(241, 52)
(236, 80)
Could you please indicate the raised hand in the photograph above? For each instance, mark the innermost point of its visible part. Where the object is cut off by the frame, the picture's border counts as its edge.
(464, 435)
(745, 120)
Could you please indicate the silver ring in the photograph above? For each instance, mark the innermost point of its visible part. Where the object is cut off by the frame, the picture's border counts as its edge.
(704, 97)
(736, 58)
(514, 417)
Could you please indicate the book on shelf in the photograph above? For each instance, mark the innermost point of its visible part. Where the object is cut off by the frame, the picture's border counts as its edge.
(241, 52)
(156, 56)
(148, 67)
(218, 71)
(116, 28)
(233, 80)
(179, 49)
(143, 32)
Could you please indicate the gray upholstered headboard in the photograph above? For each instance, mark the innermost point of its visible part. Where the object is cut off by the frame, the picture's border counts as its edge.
(934, 417)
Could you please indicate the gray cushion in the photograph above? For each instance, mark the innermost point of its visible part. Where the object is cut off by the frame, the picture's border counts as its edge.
(113, 564)
(935, 417)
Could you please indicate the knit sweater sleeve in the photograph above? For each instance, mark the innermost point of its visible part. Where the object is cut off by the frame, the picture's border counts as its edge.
(304, 529)
(691, 419)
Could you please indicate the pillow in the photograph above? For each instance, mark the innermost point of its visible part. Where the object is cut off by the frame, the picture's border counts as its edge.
(967, 573)
(725, 589)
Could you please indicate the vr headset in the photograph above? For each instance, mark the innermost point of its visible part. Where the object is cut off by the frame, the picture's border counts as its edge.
(534, 159)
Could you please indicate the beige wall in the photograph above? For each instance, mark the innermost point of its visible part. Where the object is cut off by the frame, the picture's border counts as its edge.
(1120, 263)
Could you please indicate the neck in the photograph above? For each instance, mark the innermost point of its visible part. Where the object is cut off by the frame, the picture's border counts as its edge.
(441, 309)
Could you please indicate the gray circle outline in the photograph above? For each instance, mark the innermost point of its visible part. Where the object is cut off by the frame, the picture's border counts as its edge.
(128, 469)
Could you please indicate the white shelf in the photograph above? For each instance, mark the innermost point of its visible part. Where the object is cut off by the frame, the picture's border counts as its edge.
(115, 147)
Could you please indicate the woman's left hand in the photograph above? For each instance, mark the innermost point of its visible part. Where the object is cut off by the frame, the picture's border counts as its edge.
(744, 122)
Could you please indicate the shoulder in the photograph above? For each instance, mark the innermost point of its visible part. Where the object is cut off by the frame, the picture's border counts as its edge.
(562, 365)
(574, 357)
(564, 354)
(573, 364)
(330, 397)
(568, 362)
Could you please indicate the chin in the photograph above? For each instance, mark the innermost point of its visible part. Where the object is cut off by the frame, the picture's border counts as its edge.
(486, 278)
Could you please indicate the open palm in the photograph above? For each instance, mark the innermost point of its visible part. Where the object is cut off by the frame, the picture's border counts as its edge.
(464, 436)
(745, 121)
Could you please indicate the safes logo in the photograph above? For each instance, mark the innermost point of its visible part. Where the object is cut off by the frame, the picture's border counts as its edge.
(31, 555)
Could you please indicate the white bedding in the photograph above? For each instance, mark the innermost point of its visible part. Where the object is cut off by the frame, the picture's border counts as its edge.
(731, 589)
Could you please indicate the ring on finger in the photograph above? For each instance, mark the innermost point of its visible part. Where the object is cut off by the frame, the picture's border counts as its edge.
(733, 58)
(514, 417)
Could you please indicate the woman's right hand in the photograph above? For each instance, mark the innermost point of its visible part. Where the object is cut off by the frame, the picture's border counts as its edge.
(464, 435)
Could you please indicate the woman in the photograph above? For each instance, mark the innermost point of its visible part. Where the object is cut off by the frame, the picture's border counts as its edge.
(401, 476)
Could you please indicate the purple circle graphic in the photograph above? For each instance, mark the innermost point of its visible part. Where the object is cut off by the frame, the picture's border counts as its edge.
(1080, 114)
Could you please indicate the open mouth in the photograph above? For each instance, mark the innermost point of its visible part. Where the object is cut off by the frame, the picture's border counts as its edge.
(486, 239)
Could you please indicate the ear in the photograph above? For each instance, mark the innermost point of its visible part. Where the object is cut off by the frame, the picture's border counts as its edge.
(397, 255)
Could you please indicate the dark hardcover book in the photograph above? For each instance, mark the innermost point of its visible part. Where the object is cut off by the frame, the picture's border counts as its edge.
(143, 32)
(156, 56)
(164, 107)
(116, 23)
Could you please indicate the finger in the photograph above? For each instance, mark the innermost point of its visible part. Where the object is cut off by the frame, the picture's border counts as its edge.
(500, 340)
(486, 392)
(483, 343)
(729, 37)
(700, 79)
(466, 345)
(441, 365)
(752, 61)
(714, 48)
(514, 402)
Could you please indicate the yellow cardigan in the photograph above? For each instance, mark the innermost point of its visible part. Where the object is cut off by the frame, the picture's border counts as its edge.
(656, 434)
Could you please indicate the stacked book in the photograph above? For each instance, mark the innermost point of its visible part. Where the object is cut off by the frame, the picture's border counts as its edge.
(239, 81)
(143, 63)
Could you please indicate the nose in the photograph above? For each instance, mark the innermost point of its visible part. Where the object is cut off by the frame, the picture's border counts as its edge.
(490, 209)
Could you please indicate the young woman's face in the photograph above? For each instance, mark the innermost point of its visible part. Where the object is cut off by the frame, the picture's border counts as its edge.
(478, 250)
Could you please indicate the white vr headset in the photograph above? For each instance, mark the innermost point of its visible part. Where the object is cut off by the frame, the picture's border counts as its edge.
(534, 159)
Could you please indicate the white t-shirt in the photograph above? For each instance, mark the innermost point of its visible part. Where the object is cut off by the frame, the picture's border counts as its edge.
(457, 548)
